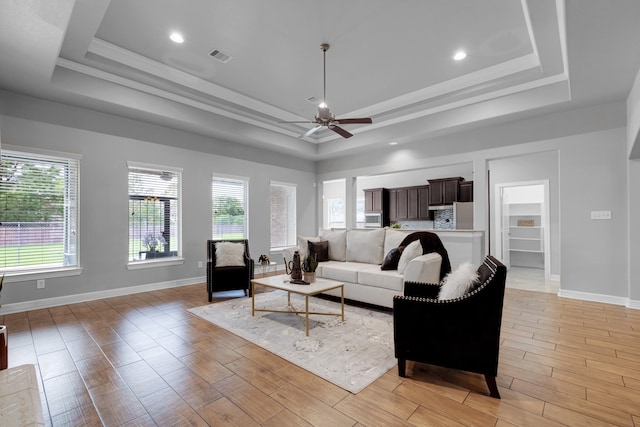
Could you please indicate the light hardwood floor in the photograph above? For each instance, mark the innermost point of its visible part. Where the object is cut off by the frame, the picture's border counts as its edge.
(143, 360)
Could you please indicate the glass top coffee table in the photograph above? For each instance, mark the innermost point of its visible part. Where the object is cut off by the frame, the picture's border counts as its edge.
(282, 282)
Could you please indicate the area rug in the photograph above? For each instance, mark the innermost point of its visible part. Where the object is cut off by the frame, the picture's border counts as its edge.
(350, 354)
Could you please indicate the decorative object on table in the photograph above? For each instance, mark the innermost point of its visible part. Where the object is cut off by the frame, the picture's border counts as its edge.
(309, 267)
(294, 269)
(264, 259)
(396, 225)
(350, 354)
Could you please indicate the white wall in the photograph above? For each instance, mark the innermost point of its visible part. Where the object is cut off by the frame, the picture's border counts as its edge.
(104, 200)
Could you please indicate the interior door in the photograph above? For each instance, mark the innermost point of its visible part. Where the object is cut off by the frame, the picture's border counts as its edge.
(504, 197)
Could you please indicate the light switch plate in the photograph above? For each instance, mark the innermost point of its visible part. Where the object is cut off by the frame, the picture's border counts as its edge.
(199, 264)
(600, 214)
(40, 283)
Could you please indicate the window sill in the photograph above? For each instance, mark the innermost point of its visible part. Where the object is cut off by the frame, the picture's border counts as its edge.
(25, 276)
(162, 262)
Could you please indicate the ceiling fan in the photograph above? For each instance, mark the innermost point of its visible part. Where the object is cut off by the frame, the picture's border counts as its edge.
(325, 117)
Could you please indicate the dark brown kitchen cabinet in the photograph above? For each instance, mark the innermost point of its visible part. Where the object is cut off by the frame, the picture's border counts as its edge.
(393, 204)
(444, 191)
(402, 207)
(423, 203)
(375, 200)
(409, 203)
(466, 191)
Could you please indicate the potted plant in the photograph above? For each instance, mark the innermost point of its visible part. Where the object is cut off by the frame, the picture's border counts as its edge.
(155, 245)
(309, 268)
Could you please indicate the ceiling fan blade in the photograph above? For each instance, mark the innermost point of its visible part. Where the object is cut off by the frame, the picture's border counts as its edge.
(310, 131)
(340, 131)
(363, 120)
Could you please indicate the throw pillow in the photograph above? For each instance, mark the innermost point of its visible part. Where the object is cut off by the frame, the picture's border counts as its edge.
(393, 238)
(457, 283)
(411, 251)
(302, 245)
(320, 250)
(392, 258)
(229, 254)
(337, 243)
(365, 246)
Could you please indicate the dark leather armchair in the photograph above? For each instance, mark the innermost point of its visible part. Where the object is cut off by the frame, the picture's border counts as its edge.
(229, 277)
(461, 333)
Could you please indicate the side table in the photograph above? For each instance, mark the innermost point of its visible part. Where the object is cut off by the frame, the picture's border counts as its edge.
(269, 269)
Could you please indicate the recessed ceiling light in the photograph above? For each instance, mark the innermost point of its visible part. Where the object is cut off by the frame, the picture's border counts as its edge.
(460, 55)
(393, 143)
(176, 37)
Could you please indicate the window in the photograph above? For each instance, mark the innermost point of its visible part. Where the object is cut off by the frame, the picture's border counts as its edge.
(283, 215)
(334, 209)
(38, 211)
(229, 202)
(154, 212)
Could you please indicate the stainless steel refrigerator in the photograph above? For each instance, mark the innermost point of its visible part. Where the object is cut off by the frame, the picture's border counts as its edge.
(463, 215)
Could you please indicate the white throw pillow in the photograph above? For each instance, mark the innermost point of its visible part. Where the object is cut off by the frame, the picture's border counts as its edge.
(393, 238)
(457, 283)
(337, 243)
(229, 254)
(413, 250)
(365, 246)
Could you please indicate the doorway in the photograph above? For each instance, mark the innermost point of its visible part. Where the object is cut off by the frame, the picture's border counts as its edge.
(522, 225)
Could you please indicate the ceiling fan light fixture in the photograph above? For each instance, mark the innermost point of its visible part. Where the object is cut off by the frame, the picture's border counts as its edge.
(176, 37)
(459, 55)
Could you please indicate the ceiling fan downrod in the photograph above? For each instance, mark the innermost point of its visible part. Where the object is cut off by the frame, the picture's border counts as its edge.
(325, 48)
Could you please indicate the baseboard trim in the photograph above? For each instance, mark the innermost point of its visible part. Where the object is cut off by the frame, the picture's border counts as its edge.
(607, 299)
(92, 296)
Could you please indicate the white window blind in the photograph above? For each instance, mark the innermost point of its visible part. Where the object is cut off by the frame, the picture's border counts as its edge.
(229, 202)
(283, 215)
(38, 211)
(154, 212)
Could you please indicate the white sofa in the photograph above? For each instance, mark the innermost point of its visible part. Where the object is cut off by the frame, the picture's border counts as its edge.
(355, 257)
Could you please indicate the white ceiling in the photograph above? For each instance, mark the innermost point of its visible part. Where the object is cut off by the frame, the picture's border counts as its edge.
(389, 60)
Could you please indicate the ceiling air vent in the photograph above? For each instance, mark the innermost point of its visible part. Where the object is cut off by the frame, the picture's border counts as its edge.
(220, 56)
(313, 100)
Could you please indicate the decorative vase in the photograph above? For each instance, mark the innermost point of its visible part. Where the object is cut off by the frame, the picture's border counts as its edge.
(309, 277)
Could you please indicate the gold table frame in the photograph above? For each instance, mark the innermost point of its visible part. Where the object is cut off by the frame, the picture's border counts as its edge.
(281, 282)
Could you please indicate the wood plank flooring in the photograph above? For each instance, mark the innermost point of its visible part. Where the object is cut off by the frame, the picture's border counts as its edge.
(143, 360)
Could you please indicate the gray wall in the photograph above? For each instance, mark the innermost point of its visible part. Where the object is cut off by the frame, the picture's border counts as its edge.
(585, 163)
(594, 174)
(530, 167)
(104, 200)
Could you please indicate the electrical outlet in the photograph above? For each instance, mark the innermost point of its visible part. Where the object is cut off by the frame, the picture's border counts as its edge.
(600, 214)
(40, 284)
(199, 264)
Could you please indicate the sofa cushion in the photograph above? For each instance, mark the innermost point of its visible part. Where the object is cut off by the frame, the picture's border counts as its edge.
(337, 243)
(393, 238)
(390, 261)
(365, 246)
(319, 249)
(413, 250)
(371, 275)
(341, 271)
